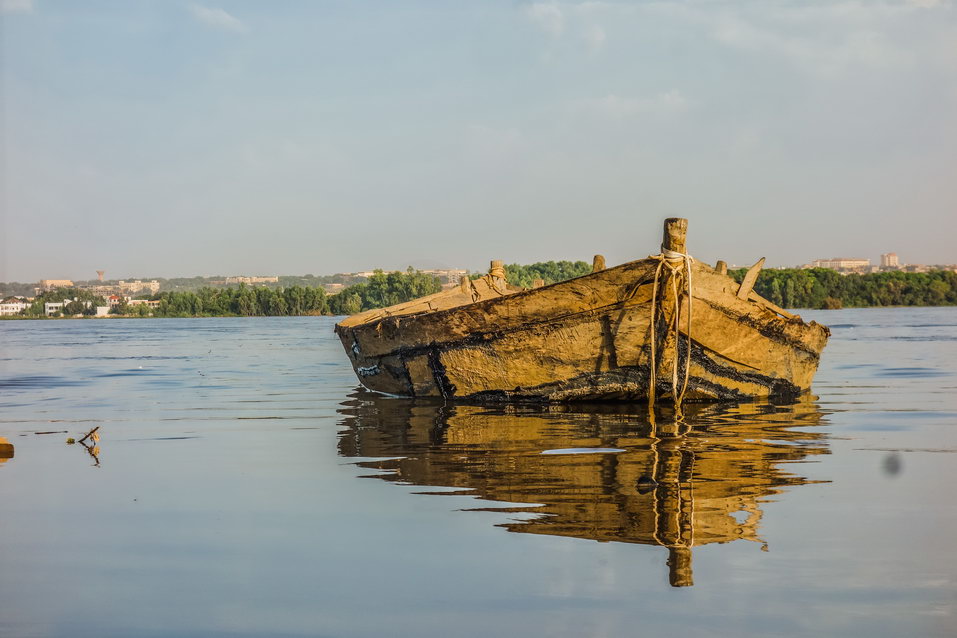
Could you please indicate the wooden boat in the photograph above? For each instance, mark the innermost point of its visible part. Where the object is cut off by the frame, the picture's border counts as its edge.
(666, 326)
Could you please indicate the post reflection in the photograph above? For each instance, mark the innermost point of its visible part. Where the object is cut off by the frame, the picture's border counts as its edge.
(601, 472)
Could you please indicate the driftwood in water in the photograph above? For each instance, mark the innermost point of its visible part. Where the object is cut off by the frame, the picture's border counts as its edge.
(590, 337)
(6, 449)
(92, 448)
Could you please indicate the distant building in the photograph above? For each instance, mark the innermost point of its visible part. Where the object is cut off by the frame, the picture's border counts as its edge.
(890, 261)
(134, 287)
(252, 281)
(103, 290)
(13, 306)
(53, 284)
(842, 264)
(124, 287)
(53, 307)
(917, 268)
(147, 302)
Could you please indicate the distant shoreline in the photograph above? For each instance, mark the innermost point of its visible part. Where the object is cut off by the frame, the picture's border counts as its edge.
(114, 317)
(815, 288)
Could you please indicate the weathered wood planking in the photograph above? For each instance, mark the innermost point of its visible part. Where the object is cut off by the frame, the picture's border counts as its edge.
(588, 338)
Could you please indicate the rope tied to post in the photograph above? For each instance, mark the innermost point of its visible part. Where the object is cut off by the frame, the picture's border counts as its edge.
(676, 263)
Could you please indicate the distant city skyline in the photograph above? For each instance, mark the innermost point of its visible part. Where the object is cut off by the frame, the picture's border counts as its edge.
(173, 139)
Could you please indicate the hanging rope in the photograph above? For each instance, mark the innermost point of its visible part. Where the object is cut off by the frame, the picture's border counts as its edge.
(675, 263)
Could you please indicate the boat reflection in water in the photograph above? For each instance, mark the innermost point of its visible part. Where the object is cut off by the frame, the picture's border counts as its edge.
(602, 472)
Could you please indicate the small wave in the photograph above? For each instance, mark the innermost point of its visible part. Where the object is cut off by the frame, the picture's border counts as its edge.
(929, 325)
(911, 372)
(139, 358)
(38, 381)
(138, 372)
(166, 438)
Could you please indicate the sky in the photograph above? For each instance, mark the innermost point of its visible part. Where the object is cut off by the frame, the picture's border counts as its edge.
(166, 139)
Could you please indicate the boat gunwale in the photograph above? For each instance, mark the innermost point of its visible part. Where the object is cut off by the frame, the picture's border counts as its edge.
(491, 300)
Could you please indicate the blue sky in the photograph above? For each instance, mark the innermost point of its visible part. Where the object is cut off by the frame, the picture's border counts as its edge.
(174, 138)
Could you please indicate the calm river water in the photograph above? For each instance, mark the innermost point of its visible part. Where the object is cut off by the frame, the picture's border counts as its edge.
(243, 485)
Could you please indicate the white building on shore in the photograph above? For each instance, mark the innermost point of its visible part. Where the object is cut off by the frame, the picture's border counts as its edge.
(52, 307)
(13, 306)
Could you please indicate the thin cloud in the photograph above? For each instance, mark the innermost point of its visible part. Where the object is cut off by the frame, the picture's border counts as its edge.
(594, 38)
(493, 144)
(817, 52)
(217, 18)
(548, 17)
(558, 19)
(16, 6)
(617, 106)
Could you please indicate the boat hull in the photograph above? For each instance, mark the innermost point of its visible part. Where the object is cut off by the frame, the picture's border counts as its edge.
(590, 338)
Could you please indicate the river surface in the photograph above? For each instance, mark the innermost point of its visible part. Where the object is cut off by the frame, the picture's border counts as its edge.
(243, 485)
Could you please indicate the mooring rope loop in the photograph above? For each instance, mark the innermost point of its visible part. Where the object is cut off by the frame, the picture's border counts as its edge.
(676, 263)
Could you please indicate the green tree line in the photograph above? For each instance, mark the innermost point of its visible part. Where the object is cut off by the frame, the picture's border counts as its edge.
(243, 301)
(789, 288)
(825, 288)
(550, 272)
(383, 289)
(380, 290)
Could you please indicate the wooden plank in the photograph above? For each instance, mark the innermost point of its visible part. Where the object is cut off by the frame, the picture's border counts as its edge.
(752, 276)
(753, 296)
